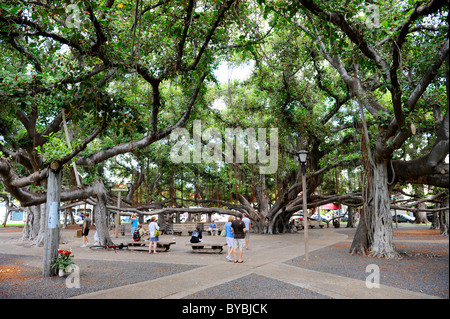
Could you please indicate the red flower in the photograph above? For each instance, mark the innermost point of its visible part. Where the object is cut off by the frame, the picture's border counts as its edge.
(60, 251)
(66, 253)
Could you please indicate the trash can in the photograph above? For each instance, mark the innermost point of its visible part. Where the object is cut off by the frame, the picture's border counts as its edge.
(336, 223)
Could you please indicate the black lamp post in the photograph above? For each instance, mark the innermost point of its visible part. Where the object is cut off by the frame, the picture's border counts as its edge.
(302, 158)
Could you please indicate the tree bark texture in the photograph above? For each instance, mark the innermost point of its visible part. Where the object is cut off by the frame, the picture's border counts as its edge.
(374, 235)
(51, 242)
(101, 215)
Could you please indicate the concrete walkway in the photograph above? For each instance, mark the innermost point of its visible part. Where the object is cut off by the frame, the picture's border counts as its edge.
(265, 257)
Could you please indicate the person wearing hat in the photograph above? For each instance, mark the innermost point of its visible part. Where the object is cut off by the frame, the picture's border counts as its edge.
(238, 229)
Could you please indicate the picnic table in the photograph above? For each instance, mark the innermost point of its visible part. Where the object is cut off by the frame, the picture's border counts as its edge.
(214, 248)
(161, 246)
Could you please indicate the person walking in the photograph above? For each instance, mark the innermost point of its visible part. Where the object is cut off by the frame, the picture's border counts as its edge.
(238, 229)
(229, 238)
(248, 224)
(85, 230)
(152, 227)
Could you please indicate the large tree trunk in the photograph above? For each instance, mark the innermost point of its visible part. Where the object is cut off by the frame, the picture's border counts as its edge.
(51, 239)
(33, 221)
(361, 244)
(444, 219)
(421, 216)
(101, 215)
(351, 217)
(375, 232)
(40, 225)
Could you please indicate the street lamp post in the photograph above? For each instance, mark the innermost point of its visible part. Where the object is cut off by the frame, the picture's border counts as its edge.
(302, 158)
(119, 198)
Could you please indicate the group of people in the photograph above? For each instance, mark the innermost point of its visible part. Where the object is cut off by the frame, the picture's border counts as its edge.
(138, 232)
(237, 236)
(237, 232)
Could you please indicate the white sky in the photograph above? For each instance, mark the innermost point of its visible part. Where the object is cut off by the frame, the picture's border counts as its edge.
(233, 72)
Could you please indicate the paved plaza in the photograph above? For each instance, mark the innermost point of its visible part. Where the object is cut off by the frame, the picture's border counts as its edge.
(274, 267)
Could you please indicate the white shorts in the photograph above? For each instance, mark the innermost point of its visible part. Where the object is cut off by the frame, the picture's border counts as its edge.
(230, 241)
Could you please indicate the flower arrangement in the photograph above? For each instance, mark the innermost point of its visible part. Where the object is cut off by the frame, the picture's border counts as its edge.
(63, 259)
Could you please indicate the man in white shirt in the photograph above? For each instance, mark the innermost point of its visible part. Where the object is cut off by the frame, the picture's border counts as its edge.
(247, 223)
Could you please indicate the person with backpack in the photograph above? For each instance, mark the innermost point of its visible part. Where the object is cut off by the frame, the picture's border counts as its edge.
(137, 233)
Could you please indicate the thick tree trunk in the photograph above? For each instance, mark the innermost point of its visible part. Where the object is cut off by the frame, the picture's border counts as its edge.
(375, 232)
(421, 216)
(361, 244)
(380, 211)
(32, 225)
(351, 218)
(51, 242)
(101, 215)
(40, 224)
(444, 219)
(435, 221)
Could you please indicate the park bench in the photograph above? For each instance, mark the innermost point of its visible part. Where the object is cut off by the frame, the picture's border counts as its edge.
(161, 246)
(214, 248)
(219, 226)
(312, 223)
(183, 229)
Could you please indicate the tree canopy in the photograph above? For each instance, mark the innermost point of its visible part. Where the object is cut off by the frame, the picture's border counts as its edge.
(362, 86)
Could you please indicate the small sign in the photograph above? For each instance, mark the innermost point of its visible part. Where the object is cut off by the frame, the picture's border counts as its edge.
(53, 220)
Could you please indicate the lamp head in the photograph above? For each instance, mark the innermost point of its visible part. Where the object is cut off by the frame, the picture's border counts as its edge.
(302, 156)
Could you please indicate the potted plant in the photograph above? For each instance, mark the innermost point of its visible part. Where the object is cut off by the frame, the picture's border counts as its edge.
(62, 261)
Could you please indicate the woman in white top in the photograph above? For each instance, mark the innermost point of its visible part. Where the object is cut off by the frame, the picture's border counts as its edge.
(153, 239)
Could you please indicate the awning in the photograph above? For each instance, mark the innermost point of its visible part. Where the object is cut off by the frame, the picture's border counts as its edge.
(329, 206)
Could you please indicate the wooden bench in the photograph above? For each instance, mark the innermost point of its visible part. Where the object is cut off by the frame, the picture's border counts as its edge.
(161, 246)
(219, 226)
(213, 248)
(183, 229)
(312, 223)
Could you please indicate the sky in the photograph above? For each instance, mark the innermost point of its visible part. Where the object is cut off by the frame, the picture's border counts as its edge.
(240, 72)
